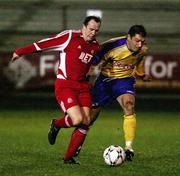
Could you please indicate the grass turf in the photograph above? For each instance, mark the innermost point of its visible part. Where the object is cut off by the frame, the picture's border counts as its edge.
(24, 149)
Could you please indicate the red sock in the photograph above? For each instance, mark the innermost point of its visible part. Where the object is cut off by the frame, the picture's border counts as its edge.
(77, 139)
(63, 122)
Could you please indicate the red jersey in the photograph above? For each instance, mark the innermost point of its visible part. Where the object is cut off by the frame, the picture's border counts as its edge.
(75, 53)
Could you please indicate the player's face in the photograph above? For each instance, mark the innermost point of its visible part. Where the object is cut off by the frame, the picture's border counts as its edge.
(135, 43)
(91, 30)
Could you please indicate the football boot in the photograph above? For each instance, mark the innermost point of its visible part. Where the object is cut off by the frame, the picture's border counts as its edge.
(70, 161)
(53, 132)
(129, 154)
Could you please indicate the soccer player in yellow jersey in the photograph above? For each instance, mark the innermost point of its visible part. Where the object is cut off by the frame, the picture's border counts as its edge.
(121, 60)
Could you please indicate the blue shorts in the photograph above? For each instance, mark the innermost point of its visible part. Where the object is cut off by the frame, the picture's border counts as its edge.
(107, 89)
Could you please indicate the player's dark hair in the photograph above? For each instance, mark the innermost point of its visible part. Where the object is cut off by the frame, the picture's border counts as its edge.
(89, 18)
(137, 29)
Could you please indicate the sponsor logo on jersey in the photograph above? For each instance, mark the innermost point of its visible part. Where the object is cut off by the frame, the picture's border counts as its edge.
(85, 57)
(119, 64)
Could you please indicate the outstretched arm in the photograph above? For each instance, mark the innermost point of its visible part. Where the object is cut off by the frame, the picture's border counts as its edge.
(56, 42)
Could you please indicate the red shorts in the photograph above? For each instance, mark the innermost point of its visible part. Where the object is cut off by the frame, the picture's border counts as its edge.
(70, 93)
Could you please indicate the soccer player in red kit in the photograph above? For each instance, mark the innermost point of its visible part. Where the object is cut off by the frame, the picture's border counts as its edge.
(72, 91)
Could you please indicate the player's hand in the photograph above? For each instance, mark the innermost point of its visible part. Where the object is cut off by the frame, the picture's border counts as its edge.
(147, 77)
(15, 56)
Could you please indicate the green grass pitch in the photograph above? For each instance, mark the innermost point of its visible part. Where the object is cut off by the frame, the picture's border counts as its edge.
(24, 149)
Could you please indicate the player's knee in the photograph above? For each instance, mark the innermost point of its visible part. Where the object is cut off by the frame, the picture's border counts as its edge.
(129, 107)
(77, 121)
(87, 120)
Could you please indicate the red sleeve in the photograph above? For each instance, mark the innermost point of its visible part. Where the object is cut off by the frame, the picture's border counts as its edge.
(56, 42)
(26, 50)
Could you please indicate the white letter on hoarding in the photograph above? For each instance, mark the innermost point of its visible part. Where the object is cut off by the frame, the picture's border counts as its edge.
(170, 67)
(45, 64)
(162, 72)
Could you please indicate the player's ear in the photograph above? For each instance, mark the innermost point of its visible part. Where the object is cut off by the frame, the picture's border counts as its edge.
(83, 28)
(128, 37)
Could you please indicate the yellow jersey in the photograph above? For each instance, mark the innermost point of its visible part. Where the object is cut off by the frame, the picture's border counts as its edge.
(118, 61)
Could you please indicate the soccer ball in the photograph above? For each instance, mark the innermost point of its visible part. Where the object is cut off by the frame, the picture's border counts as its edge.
(114, 155)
